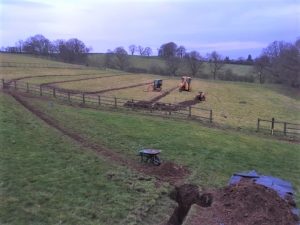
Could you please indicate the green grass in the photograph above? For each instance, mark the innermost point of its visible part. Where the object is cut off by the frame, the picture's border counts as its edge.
(154, 61)
(235, 104)
(19, 58)
(46, 178)
(212, 155)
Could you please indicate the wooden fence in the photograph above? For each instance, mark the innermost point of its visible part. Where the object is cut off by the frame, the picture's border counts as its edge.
(278, 127)
(98, 101)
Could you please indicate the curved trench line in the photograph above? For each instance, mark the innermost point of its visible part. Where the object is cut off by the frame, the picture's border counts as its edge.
(155, 99)
(118, 158)
(72, 91)
(49, 84)
(46, 75)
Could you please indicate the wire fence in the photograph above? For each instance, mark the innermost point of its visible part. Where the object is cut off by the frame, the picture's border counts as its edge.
(98, 101)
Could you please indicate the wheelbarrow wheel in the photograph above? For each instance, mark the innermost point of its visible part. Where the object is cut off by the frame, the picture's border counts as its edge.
(156, 161)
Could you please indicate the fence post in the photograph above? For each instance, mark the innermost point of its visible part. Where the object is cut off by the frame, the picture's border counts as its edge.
(190, 111)
(83, 98)
(258, 122)
(284, 128)
(99, 100)
(54, 93)
(272, 126)
(15, 84)
(132, 104)
(169, 108)
(210, 116)
(69, 97)
(41, 90)
(27, 87)
(116, 102)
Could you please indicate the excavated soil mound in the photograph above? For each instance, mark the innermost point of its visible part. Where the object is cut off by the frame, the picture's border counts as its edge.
(245, 203)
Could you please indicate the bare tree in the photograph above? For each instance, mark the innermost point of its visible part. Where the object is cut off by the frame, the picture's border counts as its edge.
(194, 62)
(147, 51)
(121, 58)
(260, 65)
(180, 51)
(168, 50)
(132, 49)
(215, 63)
(284, 62)
(19, 45)
(141, 49)
(37, 44)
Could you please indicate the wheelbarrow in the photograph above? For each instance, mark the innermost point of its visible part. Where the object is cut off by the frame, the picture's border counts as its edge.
(150, 155)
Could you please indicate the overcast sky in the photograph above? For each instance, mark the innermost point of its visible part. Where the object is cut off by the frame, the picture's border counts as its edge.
(232, 27)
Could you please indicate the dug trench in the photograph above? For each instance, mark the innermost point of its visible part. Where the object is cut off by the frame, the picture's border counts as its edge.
(71, 91)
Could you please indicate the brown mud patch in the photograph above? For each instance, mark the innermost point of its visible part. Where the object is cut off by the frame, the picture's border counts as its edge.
(245, 203)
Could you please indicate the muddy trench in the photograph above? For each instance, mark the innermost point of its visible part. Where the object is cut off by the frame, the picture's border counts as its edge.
(186, 195)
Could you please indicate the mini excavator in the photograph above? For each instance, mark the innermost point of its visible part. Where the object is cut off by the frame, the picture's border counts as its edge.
(155, 86)
(185, 84)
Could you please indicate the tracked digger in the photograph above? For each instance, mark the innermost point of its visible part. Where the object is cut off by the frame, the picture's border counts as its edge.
(185, 84)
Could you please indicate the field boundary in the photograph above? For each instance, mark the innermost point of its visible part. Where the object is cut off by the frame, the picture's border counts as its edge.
(277, 127)
(94, 100)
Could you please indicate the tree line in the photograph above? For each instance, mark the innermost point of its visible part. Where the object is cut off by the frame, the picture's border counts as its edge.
(279, 62)
(71, 51)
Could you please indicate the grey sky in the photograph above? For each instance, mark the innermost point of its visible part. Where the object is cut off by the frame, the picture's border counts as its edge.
(232, 27)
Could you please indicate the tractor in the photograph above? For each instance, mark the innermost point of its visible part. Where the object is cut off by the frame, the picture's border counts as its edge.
(185, 84)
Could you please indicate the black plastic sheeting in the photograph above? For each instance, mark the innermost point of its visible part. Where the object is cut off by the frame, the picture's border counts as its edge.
(282, 187)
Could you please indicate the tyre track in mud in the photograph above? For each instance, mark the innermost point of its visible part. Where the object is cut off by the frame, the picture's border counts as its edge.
(167, 172)
(50, 84)
(155, 99)
(46, 75)
(72, 91)
(153, 103)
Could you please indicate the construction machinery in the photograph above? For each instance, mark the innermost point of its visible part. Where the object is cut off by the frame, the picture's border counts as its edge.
(185, 84)
(155, 86)
(201, 96)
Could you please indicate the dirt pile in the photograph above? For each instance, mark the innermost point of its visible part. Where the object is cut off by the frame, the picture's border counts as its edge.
(245, 203)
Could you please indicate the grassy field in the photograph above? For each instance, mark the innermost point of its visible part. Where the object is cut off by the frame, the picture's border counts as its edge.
(235, 104)
(108, 83)
(150, 62)
(211, 154)
(47, 178)
(19, 58)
